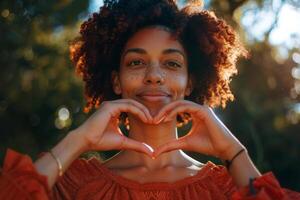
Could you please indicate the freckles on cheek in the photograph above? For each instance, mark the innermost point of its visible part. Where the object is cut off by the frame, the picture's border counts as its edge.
(179, 85)
(129, 83)
(131, 77)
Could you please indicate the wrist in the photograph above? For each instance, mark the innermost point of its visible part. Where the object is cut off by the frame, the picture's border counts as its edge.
(60, 157)
(242, 169)
(232, 151)
(77, 142)
(228, 163)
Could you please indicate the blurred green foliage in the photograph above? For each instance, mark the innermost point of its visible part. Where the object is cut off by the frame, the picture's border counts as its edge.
(41, 99)
(37, 77)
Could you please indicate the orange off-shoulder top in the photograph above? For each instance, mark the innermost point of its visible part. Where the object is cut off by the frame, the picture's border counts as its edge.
(90, 179)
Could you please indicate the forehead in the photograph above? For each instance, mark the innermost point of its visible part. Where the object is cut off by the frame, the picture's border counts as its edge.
(155, 38)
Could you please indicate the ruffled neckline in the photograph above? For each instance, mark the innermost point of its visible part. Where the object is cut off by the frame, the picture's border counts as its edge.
(111, 175)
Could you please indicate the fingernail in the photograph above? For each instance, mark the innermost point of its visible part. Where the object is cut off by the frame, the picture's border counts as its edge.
(149, 147)
(161, 119)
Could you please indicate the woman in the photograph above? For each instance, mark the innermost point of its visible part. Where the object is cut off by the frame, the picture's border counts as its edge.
(156, 64)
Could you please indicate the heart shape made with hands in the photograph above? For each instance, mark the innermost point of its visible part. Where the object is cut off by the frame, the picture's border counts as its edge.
(185, 118)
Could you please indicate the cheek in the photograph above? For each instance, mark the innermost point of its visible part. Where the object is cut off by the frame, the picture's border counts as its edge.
(178, 84)
(131, 77)
(129, 83)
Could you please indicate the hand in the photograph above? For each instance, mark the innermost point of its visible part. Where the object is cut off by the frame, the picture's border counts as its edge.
(101, 130)
(208, 134)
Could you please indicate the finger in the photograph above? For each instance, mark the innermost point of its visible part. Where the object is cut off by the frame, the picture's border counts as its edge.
(164, 111)
(170, 146)
(140, 106)
(128, 107)
(137, 146)
(144, 108)
(191, 109)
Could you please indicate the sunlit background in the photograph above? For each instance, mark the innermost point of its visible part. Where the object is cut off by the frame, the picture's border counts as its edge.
(41, 99)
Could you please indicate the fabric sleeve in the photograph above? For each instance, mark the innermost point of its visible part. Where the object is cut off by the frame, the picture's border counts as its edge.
(265, 187)
(67, 186)
(223, 180)
(20, 180)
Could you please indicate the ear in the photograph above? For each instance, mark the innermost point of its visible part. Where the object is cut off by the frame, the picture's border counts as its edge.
(190, 85)
(116, 82)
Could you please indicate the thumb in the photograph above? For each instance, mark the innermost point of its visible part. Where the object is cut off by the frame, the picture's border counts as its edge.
(131, 144)
(170, 146)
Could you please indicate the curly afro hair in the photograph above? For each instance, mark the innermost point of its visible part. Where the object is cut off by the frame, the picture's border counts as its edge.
(212, 47)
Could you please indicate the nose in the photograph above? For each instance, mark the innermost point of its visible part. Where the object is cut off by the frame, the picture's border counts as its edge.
(154, 74)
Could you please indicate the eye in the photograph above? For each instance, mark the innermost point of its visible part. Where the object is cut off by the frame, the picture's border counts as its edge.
(173, 64)
(135, 63)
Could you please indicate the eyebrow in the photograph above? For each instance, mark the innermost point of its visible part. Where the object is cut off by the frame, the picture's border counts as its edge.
(143, 51)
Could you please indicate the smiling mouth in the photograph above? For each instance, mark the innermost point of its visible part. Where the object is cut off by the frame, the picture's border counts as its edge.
(149, 97)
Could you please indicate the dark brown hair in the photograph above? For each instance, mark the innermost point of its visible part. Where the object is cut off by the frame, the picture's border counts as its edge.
(212, 47)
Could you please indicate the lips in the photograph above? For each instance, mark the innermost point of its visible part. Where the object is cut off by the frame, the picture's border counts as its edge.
(153, 95)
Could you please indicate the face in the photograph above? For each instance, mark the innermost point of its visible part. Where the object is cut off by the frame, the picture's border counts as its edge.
(153, 69)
